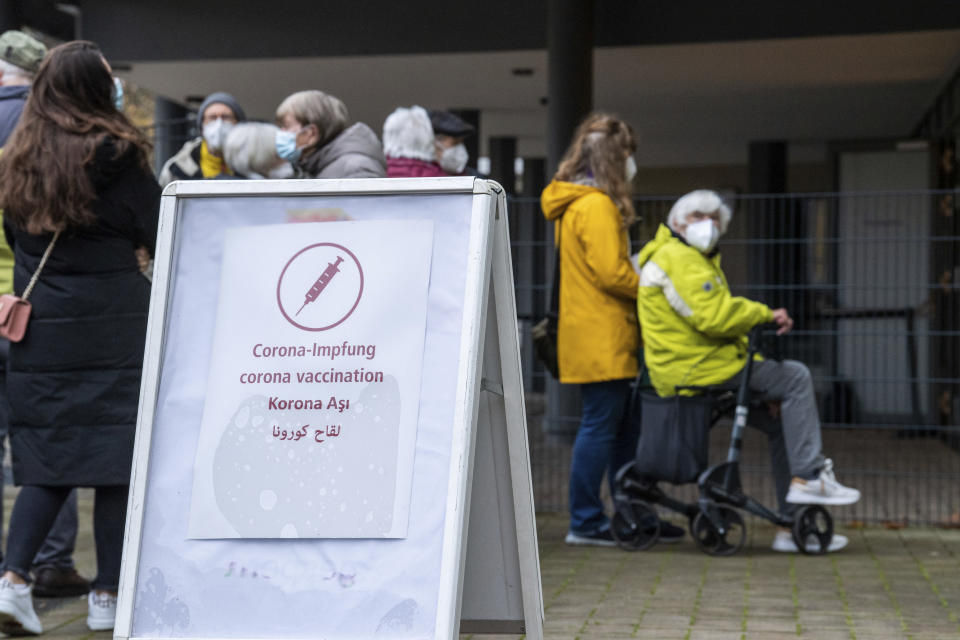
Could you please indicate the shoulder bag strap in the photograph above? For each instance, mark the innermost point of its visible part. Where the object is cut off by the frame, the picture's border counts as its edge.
(43, 261)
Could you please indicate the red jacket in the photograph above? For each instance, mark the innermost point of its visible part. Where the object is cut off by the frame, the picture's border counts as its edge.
(412, 168)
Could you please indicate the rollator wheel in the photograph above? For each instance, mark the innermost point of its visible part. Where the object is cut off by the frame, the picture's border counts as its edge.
(711, 539)
(635, 525)
(813, 529)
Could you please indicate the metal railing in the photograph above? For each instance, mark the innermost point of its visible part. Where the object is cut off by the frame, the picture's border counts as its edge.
(873, 283)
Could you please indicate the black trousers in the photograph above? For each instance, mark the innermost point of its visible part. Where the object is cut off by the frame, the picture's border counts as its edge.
(33, 515)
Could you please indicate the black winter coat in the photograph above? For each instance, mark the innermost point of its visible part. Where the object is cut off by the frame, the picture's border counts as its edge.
(74, 381)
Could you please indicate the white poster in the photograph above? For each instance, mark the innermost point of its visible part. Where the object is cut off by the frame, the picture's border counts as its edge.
(310, 417)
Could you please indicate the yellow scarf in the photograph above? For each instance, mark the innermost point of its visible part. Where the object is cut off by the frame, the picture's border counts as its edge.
(210, 165)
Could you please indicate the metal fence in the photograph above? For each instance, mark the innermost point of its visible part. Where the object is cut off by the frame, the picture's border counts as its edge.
(873, 283)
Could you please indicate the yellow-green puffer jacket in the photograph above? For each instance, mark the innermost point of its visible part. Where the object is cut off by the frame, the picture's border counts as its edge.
(694, 331)
(597, 336)
(6, 262)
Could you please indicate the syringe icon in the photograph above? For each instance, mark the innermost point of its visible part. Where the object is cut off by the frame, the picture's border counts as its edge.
(321, 283)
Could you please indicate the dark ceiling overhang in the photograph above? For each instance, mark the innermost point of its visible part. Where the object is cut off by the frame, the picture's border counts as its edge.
(191, 30)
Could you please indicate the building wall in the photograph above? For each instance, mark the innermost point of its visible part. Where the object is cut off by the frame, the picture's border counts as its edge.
(805, 177)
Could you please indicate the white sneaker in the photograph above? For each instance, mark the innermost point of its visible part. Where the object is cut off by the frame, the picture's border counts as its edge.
(17, 617)
(822, 490)
(783, 542)
(101, 611)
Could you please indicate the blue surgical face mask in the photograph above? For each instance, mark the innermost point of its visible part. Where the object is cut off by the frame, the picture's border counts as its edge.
(286, 143)
(117, 94)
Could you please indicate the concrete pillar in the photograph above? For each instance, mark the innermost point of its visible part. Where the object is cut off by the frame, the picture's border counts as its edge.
(569, 72)
(173, 126)
(767, 173)
(503, 154)
(569, 100)
(767, 165)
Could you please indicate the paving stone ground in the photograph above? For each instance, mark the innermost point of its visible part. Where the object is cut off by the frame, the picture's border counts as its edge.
(886, 584)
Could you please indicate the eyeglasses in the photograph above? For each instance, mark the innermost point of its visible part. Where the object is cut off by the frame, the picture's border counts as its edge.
(213, 114)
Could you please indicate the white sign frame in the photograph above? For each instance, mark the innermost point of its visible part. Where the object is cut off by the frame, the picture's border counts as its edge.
(489, 510)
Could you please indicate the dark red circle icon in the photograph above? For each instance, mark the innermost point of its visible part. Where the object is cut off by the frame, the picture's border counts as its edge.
(320, 286)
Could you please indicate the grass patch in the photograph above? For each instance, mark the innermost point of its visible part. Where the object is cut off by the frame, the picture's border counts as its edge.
(843, 598)
(696, 600)
(795, 592)
(746, 598)
(603, 596)
(886, 584)
(653, 591)
(933, 585)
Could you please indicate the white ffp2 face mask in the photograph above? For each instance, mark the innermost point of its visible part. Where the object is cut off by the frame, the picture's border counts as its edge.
(631, 168)
(702, 235)
(215, 133)
(454, 159)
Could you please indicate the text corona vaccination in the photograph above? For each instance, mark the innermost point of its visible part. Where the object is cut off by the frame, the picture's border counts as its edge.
(328, 376)
(315, 350)
(358, 375)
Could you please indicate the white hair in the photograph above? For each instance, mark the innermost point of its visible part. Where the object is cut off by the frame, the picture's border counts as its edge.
(702, 200)
(10, 71)
(407, 133)
(251, 148)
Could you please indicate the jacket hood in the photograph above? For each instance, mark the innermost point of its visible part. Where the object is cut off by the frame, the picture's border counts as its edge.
(109, 161)
(559, 195)
(356, 139)
(664, 235)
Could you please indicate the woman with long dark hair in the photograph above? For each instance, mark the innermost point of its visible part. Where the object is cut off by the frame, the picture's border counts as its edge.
(75, 186)
(589, 201)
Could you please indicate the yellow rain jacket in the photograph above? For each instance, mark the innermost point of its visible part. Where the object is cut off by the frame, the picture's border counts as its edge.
(597, 336)
(694, 331)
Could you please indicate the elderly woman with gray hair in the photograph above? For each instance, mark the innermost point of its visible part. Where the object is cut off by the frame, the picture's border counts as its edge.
(252, 151)
(694, 335)
(409, 144)
(323, 145)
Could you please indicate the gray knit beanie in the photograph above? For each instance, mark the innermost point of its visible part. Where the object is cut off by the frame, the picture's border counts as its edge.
(223, 98)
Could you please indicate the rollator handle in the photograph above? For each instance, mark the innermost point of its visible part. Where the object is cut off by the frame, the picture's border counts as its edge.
(759, 335)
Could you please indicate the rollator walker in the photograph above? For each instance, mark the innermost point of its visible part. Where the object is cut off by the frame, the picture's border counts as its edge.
(716, 525)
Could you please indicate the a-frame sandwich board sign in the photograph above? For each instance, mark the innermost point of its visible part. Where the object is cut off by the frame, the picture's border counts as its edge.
(331, 440)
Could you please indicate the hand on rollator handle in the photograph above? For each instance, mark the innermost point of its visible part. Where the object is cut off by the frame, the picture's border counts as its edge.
(783, 321)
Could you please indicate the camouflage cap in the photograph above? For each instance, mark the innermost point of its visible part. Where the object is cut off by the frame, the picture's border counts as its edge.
(21, 50)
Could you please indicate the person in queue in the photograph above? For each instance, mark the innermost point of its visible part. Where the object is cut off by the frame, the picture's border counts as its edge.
(20, 57)
(450, 132)
(694, 334)
(324, 145)
(54, 572)
(75, 186)
(408, 144)
(253, 149)
(202, 157)
(589, 203)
